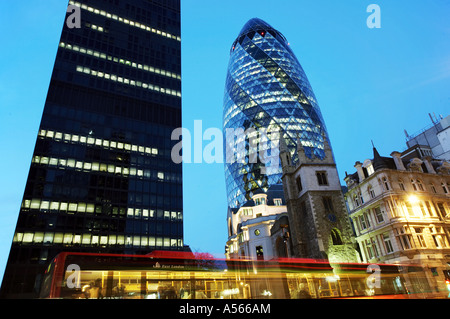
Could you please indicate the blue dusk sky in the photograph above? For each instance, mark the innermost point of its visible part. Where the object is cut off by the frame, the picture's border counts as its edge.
(371, 84)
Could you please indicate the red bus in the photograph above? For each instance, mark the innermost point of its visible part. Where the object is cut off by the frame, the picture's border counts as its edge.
(175, 275)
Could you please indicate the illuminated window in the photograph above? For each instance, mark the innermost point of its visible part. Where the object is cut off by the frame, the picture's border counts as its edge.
(58, 239)
(125, 21)
(67, 239)
(77, 239)
(48, 238)
(127, 82)
(112, 240)
(420, 239)
(86, 239)
(38, 238)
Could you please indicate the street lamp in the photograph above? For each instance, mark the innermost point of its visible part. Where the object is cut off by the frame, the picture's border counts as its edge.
(413, 199)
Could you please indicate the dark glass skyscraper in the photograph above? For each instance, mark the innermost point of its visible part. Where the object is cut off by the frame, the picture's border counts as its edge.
(101, 177)
(266, 88)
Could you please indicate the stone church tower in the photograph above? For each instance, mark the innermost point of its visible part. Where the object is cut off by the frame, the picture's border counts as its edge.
(318, 219)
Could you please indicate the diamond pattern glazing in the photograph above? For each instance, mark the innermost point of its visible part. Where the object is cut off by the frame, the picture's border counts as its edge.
(266, 87)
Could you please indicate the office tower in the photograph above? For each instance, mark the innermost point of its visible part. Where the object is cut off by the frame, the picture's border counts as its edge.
(101, 177)
(266, 88)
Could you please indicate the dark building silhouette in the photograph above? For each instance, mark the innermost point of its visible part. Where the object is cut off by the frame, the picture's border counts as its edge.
(101, 177)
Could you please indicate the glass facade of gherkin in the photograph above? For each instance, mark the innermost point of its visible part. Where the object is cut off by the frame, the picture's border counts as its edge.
(266, 87)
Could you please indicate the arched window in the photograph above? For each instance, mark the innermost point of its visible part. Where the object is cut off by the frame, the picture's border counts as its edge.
(401, 184)
(413, 184)
(371, 191)
(336, 237)
(417, 185)
(386, 184)
(420, 185)
(433, 189)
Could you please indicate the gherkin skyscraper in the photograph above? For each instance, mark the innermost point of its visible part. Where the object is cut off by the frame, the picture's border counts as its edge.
(266, 88)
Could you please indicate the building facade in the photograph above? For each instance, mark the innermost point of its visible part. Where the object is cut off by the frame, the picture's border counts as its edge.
(101, 177)
(436, 136)
(259, 229)
(400, 211)
(318, 219)
(266, 91)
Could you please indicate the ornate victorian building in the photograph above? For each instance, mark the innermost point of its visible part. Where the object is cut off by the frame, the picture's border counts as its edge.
(400, 210)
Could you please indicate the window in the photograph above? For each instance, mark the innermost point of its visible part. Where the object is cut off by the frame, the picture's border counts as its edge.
(372, 250)
(299, 184)
(420, 239)
(433, 189)
(260, 201)
(430, 211)
(356, 200)
(401, 184)
(336, 237)
(328, 204)
(259, 253)
(322, 178)
(404, 238)
(419, 185)
(444, 187)
(440, 237)
(278, 202)
(387, 243)
(386, 183)
(423, 209)
(409, 208)
(364, 221)
(247, 212)
(414, 185)
(442, 209)
(379, 214)
(361, 198)
(370, 169)
(371, 192)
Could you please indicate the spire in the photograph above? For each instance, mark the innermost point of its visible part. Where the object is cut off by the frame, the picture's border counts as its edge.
(378, 161)
(283, 145)
(284, 153)
(299, 143)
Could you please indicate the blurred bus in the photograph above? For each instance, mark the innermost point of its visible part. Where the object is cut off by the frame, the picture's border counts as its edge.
(179, 275)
